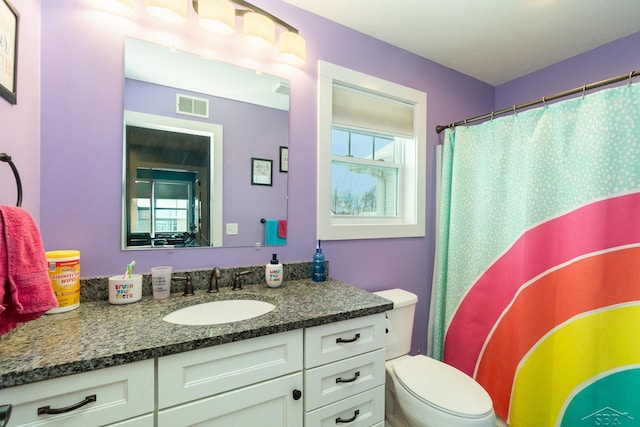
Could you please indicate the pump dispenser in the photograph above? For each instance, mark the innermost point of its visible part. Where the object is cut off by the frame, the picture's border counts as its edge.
(273, 272)
(318, 271)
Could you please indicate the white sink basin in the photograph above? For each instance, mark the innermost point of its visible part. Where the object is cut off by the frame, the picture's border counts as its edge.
(216, 312)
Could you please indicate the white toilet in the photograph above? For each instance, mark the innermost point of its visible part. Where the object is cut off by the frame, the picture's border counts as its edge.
(421, 391)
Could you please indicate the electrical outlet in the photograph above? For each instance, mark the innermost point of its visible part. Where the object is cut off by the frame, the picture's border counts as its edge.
(232, 228)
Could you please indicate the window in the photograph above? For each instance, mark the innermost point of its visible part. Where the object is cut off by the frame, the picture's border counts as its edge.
(371, 157)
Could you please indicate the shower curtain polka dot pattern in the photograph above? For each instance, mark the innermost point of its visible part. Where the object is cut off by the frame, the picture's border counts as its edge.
(537, 292)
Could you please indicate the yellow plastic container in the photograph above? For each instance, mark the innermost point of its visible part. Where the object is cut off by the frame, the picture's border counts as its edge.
(64, 273)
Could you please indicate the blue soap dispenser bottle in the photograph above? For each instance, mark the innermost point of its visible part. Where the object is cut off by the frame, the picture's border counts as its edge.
(318, 270)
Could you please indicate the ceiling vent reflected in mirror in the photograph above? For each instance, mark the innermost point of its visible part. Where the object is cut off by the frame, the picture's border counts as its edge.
(282, 88)
(192, 106)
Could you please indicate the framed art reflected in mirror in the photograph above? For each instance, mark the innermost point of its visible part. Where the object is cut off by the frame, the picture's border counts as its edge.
(261, 171)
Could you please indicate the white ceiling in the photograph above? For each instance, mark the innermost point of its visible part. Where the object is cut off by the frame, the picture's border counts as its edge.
(492, 40)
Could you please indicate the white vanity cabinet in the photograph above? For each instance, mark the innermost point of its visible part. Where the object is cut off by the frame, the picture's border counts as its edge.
(121, 395)
(251, 382)
(345, 373)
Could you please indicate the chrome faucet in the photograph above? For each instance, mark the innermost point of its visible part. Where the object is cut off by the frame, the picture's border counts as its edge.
(237, 281)
(213, 284)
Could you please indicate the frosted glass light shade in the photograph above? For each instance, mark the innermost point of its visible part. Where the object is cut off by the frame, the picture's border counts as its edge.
(259, 31)
(117, 6)
(217, 16)
(167, 10)
(292, 48)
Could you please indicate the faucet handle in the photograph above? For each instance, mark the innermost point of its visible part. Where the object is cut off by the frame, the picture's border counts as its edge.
(188, 286)
(237, 281)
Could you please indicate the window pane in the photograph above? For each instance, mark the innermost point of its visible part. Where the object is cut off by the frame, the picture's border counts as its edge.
(385, 149)
(363, 190)
(340, 142)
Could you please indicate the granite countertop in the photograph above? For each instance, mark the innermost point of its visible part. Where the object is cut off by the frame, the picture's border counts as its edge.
(99, 335)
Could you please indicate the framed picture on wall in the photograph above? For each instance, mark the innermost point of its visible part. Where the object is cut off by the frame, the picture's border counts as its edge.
(261, 171)
(9, 18)
(284, 159)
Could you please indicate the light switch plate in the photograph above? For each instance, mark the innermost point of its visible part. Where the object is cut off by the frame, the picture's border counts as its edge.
(232, 228)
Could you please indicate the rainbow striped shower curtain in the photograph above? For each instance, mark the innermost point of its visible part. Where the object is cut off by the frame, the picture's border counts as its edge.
(537, 280)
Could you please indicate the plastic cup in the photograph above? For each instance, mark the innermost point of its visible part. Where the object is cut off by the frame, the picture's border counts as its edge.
(125, 290)
(161, 281)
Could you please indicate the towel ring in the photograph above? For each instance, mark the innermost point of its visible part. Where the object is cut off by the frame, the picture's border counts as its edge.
(7, 159)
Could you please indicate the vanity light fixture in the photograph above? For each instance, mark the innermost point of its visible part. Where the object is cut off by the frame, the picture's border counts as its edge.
(259, 27)
(219, 17)
(167, 10)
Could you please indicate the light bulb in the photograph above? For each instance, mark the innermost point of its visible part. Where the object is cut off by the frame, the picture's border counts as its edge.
(217, 16)
(167, 10)
(259, 31)
(292, 48)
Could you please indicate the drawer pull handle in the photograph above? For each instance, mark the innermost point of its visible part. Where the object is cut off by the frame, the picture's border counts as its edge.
(350, 380)
(297, 394)
(350, 420)
(342, 340)
(47, 410)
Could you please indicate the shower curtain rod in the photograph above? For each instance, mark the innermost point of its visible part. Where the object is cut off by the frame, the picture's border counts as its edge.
(543, 100)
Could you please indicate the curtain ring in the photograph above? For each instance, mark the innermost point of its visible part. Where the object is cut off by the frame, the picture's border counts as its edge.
(544, 101)
(630, 77)
(515, 111)
(584, 91)
(491, 118)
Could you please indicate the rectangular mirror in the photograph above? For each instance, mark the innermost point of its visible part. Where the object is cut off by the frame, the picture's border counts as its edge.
(191, 127)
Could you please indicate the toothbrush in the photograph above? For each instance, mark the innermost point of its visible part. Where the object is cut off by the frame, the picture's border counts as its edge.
(129, 269)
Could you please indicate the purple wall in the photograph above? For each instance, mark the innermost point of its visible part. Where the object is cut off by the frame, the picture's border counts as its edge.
(613, 59)
(82, 101)
(20, 123)
(248, 131)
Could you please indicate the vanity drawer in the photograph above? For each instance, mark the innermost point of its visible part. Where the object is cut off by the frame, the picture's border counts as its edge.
(339, 380)
(200, 373)
(362, 410)
(121, 392)
(334, 341)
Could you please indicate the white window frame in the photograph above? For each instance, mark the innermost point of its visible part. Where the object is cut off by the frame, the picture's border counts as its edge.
(411, 219)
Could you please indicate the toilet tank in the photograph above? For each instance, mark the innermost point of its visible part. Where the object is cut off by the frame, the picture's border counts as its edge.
(399, 321)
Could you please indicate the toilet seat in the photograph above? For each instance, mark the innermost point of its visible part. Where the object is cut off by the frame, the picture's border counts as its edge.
(444, 387)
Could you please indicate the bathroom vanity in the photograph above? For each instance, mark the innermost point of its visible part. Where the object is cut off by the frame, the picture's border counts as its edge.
(317, 357)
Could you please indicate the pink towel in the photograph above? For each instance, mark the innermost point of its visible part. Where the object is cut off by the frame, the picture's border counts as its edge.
(25, 288)
(282, 228)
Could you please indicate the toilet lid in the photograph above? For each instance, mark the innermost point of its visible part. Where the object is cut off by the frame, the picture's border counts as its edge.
(438, 384)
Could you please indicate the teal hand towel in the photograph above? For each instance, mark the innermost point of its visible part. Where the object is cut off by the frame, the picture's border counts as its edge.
(271, 237)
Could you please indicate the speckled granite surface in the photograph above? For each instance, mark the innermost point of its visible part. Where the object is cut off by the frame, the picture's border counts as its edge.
(99, 335)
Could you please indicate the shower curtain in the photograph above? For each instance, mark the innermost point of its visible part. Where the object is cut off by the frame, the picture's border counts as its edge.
(537, 279)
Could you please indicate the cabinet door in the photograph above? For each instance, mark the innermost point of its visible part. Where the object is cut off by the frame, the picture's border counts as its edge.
(107, 396)
(362, 410)
(200, 373)
(267, 404)
(339, 340)
(339, 380)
